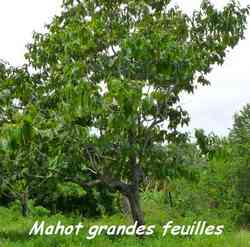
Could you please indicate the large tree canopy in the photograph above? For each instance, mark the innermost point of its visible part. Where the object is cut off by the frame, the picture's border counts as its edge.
(102, 85)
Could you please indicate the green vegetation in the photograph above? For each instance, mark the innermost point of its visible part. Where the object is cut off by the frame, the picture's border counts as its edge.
(93, 119)
(14, 229)
(210, 192)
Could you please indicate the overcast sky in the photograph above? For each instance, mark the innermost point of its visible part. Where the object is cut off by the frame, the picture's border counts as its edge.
(210, 108)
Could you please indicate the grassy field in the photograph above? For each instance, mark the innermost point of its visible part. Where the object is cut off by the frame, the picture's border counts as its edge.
(14, 230)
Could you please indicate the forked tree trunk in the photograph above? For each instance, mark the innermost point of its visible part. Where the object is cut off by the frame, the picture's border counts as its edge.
(135, 206)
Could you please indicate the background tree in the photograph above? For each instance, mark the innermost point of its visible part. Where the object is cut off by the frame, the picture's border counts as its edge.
(240, 172)
(16, 132)
(240, 133)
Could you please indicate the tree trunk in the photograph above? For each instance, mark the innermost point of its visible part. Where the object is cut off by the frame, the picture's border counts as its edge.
(24, 203)
(170, 199)
(137, 178)
(135, 206)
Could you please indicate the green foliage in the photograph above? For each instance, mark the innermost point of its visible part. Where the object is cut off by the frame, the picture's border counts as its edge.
(99, 96)
(70, 189)
(240, 134)
(240, 141)
(36, 211)
(212, 146)
(110, 75)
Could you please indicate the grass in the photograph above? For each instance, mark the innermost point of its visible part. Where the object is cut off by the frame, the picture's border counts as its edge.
(14, 230)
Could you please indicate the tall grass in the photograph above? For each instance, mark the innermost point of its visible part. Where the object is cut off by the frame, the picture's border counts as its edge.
(14, 229)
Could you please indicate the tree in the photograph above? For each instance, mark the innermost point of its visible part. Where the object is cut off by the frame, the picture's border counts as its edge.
(106, 81)
(240, 171)
(240, 133)
(17, 152)
(15, 164)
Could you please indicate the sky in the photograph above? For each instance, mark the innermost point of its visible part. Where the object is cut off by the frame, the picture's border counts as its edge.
(211, 108)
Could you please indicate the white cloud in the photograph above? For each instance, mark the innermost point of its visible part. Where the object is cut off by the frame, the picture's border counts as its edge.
(18, 19)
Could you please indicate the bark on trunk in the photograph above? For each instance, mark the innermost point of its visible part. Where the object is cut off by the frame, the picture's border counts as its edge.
(135, 206)
(24, 204)
(137, 178)
(170, 199)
